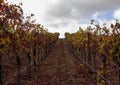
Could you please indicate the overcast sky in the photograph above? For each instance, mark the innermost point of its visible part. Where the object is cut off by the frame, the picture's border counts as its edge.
(67, 15)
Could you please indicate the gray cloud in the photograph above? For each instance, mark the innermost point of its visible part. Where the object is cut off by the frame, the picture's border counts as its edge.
(61, 14)
(58, 24)
(74, 9)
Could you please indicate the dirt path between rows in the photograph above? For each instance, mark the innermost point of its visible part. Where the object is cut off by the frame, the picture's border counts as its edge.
(61, 67)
